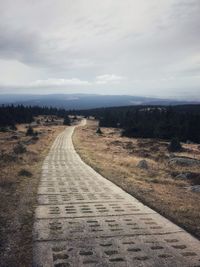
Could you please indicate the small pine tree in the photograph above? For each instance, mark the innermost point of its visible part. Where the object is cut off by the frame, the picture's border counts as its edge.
(13, 127)
(99, 131)
(66, 120)
(30, 131)
(174, 145)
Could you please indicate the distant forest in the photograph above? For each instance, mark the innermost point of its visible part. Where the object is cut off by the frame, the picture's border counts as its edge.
(11, 115)
(163, 122)
(160, 122)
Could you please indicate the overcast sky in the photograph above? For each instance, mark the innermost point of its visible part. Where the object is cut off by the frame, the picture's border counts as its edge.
(136, 47)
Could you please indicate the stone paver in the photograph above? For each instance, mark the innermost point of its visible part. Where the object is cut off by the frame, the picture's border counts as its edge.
(82, 219)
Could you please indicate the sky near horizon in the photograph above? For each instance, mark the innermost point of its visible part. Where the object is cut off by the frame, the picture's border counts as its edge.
(135, 47)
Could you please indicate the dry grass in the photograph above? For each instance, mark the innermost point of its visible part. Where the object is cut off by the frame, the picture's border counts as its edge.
(116, 158)
(19, 179)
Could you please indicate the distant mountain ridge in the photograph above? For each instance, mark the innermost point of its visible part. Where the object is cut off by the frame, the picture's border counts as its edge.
(85, 101)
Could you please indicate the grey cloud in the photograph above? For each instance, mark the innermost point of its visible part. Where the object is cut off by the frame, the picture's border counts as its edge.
(192, 71)
(17, 44)
(75, 40)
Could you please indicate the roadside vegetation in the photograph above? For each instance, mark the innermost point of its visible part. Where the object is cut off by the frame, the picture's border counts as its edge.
(162, 174)
(22, 151)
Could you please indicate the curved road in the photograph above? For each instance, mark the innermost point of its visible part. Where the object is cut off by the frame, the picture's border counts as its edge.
(82, 219)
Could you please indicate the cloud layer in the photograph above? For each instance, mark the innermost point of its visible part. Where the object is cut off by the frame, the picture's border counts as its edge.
(111, 46)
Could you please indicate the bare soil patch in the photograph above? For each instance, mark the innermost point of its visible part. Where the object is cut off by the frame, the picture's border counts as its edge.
(116, 158)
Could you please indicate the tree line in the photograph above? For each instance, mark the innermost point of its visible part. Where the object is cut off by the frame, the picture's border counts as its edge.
(163, 122)
(11, 115)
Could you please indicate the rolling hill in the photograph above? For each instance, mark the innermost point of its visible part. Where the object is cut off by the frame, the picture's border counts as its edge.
(85, 101)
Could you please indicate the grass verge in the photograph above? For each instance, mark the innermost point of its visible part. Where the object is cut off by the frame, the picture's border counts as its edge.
(19, 178)
(116, 158)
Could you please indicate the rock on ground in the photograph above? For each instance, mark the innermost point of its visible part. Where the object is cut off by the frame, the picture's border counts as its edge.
(194, 188)
(184, 161)
(184, 176)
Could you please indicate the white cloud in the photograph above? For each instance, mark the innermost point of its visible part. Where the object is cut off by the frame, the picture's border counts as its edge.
(101, 79)
(58, 82)
(109, 79)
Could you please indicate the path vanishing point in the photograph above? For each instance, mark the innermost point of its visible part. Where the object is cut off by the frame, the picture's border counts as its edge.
(82, 219)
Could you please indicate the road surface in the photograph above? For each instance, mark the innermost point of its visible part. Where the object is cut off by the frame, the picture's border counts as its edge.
(82, 219)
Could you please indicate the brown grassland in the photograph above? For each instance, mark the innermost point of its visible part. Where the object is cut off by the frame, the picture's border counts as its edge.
(19, 178)
(116, 158)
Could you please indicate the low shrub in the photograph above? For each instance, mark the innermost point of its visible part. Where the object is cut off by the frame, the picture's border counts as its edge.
(66, 121)
(174, 145)
(19, 149)
(30, 131)
(24, 172)
(99, 131)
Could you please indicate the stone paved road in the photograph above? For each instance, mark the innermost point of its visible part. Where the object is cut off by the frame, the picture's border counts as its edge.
(82, 219)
